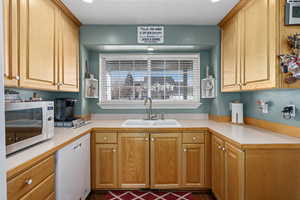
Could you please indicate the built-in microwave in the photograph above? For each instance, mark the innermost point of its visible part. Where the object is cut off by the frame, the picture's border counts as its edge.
(292, 12)
(28, 123)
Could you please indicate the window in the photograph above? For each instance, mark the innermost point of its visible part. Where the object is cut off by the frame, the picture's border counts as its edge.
(172, 81)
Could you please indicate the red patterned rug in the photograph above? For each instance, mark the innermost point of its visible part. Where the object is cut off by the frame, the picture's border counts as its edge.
(148, 195)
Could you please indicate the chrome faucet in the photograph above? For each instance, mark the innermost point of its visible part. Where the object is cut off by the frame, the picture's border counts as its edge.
(149, 110)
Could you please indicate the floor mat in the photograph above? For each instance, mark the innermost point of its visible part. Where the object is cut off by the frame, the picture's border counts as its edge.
(148, 195)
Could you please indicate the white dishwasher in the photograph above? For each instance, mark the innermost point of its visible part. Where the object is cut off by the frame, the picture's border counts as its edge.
(73, 174)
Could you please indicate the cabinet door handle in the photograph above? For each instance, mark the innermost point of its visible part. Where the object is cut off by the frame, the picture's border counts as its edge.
(223, 149)
(219, 147)
(114, 150)
(152, 139)
(146, 139)
(185, 150)
(16, 78)
(28, 181)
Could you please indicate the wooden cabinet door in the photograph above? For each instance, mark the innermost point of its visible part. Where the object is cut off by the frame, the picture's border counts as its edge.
(134, 160)
(234, 173)
(193, 159)
(106, 166)
(69, 55)
(230, 56)
(38, 44)
(218, 168)
(259, 45)
(165, 160)
(11, 41)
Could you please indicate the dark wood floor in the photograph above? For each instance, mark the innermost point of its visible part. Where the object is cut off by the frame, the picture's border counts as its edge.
(196, 196)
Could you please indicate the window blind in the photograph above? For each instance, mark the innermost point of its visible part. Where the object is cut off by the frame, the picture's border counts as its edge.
(164, 78)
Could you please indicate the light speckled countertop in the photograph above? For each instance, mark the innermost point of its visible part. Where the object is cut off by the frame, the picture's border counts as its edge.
(241, 134)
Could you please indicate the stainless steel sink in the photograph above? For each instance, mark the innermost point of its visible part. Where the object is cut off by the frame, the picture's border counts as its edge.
(140, 123)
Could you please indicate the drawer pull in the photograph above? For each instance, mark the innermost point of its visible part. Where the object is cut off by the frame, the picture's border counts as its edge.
(105, 138)
(194, 138)
(184, 150)
(28, 182)
(114, 150)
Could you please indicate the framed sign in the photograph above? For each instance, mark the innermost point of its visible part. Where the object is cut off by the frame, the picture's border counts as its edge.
(150, 34)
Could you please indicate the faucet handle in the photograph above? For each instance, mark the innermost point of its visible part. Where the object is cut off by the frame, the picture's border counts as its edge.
(162, 116)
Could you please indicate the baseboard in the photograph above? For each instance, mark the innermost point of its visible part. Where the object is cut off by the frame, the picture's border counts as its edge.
(219, 118)
(274, 126)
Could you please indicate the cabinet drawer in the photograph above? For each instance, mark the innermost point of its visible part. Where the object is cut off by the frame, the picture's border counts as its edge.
(193, 138)
(106, 138)
(42, 191)
(25, 182)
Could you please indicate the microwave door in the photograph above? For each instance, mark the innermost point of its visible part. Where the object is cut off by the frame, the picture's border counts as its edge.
(23, 126)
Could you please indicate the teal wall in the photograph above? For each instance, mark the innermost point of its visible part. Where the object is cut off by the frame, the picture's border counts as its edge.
(277, 100)
(205, 37)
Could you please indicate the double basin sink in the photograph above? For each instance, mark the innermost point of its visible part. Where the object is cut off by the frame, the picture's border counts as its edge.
(140, 123)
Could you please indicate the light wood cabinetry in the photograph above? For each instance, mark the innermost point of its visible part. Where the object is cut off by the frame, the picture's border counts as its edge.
(165, 160)
(38, 44)
(231, 72)
(40, 55)
(253, 35)
(134, 160)
(227, 170)
(11, 31)
(36, 182)
(106, 162)
(218, 168)
(193, 168)
(69, 62)
(259, 67)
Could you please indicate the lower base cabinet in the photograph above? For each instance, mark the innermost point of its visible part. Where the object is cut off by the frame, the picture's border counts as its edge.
(227, 171)
(164, 160)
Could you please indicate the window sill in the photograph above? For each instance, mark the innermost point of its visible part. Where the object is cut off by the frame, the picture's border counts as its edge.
(155, 105)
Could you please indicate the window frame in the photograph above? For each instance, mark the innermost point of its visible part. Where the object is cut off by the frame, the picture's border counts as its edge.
(157, 104)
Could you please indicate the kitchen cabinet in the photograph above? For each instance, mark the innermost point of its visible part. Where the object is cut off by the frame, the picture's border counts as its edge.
(259, 45)
(227, 171)
(38, 44)
(253, 35)
(158, 160)
(106, 166)
(165, 160)
(35, 182)
(11, 29)
(193, 160)
(41, 55)
(133, 160)
(231, 75)
(69, 62)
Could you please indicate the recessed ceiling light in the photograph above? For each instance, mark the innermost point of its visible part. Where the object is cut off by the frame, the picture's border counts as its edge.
(215, 1)
(88, 1)
(150, 49)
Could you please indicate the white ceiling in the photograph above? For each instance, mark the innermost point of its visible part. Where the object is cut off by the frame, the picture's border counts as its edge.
(189, 12)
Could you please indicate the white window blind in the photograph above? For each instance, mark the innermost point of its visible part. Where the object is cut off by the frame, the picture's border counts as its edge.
(170, 80)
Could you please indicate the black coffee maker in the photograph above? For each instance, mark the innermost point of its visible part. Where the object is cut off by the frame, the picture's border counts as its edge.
(64, 109)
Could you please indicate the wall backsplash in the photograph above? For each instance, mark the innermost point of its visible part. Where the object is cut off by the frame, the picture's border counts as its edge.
(277, 99)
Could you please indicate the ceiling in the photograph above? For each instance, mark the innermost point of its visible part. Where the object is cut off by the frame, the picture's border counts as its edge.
(187, 12)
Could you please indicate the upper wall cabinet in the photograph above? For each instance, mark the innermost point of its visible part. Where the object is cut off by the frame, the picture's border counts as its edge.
(38, 44)
(250, 40)
(230, 53)
(11, 17)
(41, 46)
(69, 62)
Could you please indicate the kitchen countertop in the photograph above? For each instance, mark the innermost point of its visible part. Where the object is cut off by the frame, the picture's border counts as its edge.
(240, 134)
